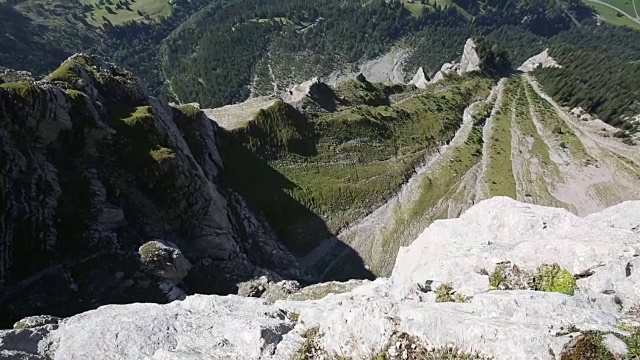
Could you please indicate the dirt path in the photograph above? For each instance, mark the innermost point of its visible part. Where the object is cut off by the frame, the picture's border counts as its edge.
(618, 10)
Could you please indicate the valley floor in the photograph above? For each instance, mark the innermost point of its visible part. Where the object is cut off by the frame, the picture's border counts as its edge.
(526, 147)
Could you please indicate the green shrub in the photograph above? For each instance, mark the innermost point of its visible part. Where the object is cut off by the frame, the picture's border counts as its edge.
(497, 277)
(553, 278)
(444, 293)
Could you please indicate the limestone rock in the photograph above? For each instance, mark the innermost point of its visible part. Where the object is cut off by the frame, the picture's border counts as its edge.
(622, 216)
(200, 327)
(616, 346)
(540, 61)
(470, 61)
(165, 260)
(501, 229)
(420, 79)
(400, 311)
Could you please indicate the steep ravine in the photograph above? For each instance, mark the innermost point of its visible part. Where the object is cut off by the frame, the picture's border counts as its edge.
(92, 168)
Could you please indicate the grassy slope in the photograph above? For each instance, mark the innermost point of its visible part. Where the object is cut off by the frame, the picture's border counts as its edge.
(624, 5)
(553, 124)
(154, 8)
(527, 127)
(362, 156)
(416, 7)
(500, 180)
(610, 15)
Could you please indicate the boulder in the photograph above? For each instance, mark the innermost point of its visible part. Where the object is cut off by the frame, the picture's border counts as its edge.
(164, 260)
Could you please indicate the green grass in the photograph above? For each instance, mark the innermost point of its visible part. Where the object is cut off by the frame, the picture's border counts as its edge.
(624, 5)
(321, 173)
(138, 11)
(24, 89)
(499, 172)
(557, 127)
(553, 278)
(414, 8)
(162, 155)
(611, 15)
(528, 128)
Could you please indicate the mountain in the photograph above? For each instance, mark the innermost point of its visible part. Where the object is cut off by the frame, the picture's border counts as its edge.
(278, 150)
(497, 283)
(94, 168)
(176, 48)
(137, 200)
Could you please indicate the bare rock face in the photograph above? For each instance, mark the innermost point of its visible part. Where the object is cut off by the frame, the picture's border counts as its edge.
(469, 61)
(401, 316)
(93, 167)
(420, 79)
(542, 60)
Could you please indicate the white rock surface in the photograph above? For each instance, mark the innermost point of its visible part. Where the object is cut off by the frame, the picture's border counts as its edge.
(470, 60)
(542, 60)
(622, 216)
(420, 79)
(235, 116)
(615, 345)
(357, 324)
(501, 229)
(300, 91)
(387, 68)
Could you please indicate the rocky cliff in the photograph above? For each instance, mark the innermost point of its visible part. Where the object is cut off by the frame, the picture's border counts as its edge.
(93, 168)
(506, 280)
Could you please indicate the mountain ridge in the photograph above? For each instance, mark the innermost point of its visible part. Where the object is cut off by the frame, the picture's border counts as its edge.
(443, 298)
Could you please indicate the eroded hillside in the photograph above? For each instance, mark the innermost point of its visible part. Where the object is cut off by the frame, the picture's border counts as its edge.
(93, 168)
(381, 163)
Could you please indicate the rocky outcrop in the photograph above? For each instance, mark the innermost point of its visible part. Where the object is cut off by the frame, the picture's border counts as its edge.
(92, 168)
(438, 296)
(540, 61)
(313, 91)
(470, 61)
(420, 79)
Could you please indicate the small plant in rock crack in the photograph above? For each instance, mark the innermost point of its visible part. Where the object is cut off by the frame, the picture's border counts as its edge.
(553, 278)
(444, 293)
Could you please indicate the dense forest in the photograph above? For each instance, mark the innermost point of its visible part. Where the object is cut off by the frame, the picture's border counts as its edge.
(600, 73)
(341, 32)
(607, 87)
(217, 52)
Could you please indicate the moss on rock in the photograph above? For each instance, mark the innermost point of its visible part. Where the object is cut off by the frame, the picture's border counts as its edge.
(24, 89)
